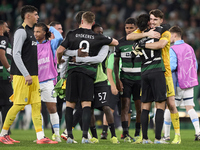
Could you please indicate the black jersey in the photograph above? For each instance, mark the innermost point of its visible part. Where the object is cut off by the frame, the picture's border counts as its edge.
(92, 44)
(4, 45)
(28, 53)
(128, 71)
(151, 59)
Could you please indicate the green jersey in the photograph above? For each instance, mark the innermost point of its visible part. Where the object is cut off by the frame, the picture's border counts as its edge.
(128, 71)
(111, 66)
(4, 45)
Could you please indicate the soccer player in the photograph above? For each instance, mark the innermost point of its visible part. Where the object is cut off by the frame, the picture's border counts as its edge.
(114, 98)
(156, 19)
(152, 82)
(129, 80)
(24, 69)
(183, 61)
(47, 70)
(81, 76)
(5, 78)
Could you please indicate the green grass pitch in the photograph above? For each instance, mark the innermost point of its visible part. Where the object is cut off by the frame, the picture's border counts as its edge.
(26, 138)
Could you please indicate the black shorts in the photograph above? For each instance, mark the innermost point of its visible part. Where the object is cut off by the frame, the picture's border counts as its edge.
(131, 87)
(79, 86)
(113, 100)
(101, 95)
(153, 87)
(6, 91)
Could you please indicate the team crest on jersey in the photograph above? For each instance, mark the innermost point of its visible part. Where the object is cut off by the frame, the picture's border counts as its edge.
(34, 43)
(3, 42)
(26, 99)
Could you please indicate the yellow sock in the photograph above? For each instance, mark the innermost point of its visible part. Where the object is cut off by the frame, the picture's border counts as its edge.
(11, 115)
(175, 122)
(36, 116)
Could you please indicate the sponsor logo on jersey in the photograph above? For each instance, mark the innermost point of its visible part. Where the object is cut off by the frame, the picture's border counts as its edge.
(43, 60)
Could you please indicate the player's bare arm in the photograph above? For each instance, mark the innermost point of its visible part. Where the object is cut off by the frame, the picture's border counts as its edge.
(135, 36)
(114, 42)
(116, 71)
(112, 84)
(3, 59)
(59, 53)
(156, 45)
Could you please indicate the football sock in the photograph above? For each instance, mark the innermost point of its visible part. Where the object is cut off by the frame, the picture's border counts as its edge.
(175, 122)
(69, 121)
(112, 129)
(93, 131)
(125, 128)
(105, 129)
(54, 118)
(77, 118)
(37, 120)
(167, 122)
(195, 120)
(86, 118)
(144, 122)
(159, 123)
(137, 129)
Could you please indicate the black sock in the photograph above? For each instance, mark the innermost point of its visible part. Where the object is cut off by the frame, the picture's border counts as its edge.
(137, 129)
(112, 129)
(93, 131)
(125, 128)
(159, 119)
(77, 117)
(86, 118)
(105, 129)
(69, 121)
(144, 122)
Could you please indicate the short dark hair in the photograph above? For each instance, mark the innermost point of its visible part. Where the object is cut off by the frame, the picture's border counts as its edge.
(89, 16)
(95, 26)
(79, 17)
(2, 22)
(44, 28)
(157, 13)
(130, 21)
(27, 8)
(142, 21)
(54, 23)
(177, 30)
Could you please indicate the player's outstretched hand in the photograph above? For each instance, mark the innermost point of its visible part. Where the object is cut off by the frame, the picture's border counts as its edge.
(28, 80)
(81, 53)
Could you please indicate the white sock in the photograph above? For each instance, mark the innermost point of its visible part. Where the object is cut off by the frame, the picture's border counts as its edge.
(54, 118)
(40, 135)
(167, 122)
(195, 120)
(3, 132)
(65, 131)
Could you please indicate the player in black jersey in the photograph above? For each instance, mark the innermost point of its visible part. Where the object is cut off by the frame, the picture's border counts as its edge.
(153, 82)
(5, 78)
(81, 76)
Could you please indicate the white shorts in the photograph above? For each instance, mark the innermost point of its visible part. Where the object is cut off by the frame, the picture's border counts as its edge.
(184, 97)
(47, 89)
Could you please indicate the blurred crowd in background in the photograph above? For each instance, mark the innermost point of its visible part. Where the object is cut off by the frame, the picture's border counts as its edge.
(110, 14)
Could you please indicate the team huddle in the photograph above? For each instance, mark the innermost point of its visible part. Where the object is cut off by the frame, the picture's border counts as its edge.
(144, 67)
